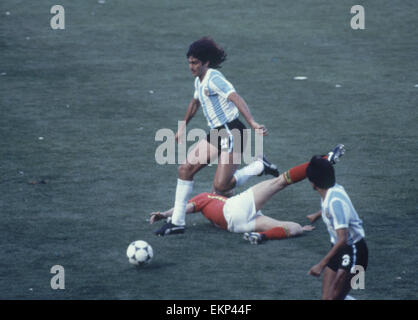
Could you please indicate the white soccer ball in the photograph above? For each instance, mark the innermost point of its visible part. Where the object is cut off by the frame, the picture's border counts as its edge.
(139, 252)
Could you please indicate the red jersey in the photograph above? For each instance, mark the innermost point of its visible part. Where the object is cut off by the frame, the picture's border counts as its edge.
(211, 205)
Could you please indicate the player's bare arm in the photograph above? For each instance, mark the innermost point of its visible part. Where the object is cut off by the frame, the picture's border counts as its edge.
(314, 216)
(245, 111)
(157, 215)
(317, 269)
(191, 111)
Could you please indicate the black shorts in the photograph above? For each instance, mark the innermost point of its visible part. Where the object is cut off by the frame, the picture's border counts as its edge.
(350, 256)
(232, 134)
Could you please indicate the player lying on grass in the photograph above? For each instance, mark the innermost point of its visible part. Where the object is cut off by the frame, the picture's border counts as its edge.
(241, 213)
(349, 249)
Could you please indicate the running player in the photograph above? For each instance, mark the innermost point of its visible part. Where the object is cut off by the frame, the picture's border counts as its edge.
(241, 213)
(221, 105)
(345, 228)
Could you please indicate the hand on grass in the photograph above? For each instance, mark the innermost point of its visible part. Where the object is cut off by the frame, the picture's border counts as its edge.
(314, 216)
(155, 216)
(308, 228)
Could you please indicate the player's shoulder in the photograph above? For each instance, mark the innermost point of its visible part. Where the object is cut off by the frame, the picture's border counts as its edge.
(214, 73)
(337, 189)
(338, 197)
(335, 193)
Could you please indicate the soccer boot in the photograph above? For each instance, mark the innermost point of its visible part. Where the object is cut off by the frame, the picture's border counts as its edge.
(335, 155)
(169, 228)
(269, 168)
(254, 237)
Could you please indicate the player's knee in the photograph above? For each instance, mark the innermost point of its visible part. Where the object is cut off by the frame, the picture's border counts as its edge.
(221, 186)
(185, 171)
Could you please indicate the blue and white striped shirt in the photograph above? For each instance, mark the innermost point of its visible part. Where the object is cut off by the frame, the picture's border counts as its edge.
(212, 93)
(338, 212)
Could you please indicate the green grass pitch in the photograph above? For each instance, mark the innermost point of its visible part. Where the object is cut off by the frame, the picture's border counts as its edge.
(79, 109)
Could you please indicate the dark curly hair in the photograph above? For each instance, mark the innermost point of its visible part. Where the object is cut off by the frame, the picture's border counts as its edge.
(206, 49)
(321, 172)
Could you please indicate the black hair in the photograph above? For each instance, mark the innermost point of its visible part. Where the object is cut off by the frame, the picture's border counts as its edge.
(321, 172)
(206, 49)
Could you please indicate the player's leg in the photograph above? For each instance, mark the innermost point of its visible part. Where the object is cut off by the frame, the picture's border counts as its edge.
(337, 281)
(258, 167)
(267, 228)
(223, 181)
(231, 142)
(263, 191)
(358, 255)
(336, 284)
(264, 224)
(341, 285)
(327, 282)
(298, 173)
(199, 157)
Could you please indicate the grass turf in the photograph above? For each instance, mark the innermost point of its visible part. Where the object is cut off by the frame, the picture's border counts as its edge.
(86, 91)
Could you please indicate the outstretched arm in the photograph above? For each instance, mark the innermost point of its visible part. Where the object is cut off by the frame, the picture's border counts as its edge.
(314, 216)
(242, 106)
(157, 215)
(317, 269)
(191, 111)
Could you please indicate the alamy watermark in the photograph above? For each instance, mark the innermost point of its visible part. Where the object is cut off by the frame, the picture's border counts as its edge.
(57, 22)
(359, 19)
(230, 140)
(358, 280)
(58, 280)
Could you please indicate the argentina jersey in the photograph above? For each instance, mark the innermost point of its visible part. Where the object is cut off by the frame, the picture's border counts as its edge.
(212, 94)
(338, 212)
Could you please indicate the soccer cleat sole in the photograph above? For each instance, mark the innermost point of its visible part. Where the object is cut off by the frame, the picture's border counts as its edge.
(335, 155)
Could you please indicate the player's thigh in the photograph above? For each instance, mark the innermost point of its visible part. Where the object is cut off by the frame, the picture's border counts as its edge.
(198, 157)
(225, 171)
(202, 153)
(341, 285)
(263, 191)
(327, 282)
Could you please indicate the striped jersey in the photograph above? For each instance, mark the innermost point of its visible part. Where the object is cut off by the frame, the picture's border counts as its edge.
(212, 93)
(338, 212)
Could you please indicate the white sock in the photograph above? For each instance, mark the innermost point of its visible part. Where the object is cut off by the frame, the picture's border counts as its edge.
(242, 175)
(183, 192)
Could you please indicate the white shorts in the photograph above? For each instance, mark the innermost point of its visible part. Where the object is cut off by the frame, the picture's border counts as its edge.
(240, 213)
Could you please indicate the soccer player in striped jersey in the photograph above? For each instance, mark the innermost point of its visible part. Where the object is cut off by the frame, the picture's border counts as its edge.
(242, 213)
(349, 249)
(221, 106)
